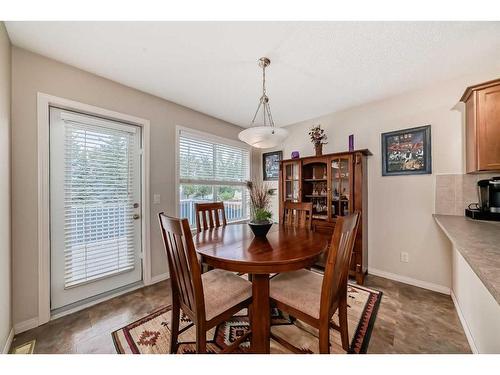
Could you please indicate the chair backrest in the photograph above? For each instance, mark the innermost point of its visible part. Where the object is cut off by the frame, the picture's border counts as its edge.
(212, 215)
(297, 214)
(338, 261)
(185, 271)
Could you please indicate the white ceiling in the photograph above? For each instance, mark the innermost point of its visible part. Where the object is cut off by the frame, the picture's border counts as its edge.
(316, 68)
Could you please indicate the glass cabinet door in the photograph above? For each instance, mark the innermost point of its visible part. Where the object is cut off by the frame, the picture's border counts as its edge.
(341, 187)
(291, 181)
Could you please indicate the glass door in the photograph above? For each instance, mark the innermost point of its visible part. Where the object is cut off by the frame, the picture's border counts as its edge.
(341, 199)
(95, 188)
(291, 181)
(315, 187)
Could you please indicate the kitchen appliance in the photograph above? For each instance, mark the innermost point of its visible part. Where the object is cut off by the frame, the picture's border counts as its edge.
(488, 207)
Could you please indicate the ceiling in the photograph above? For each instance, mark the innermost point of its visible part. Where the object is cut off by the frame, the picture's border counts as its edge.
(316, 67)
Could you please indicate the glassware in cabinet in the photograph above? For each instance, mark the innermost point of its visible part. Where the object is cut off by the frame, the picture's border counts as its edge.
(341, 187)
(291, 181)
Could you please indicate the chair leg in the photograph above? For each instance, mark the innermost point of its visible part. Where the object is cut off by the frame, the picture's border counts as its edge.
(324, 338)
(201, 339)
(174, 334)
(343, 325)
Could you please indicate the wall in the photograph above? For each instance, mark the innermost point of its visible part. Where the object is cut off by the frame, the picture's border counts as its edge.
(5, 218)
(32, 73)
(400, 207)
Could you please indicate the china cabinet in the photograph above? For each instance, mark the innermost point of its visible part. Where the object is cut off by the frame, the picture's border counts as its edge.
(336, 185)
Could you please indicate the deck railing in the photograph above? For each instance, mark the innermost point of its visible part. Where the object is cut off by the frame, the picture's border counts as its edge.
(234, 210)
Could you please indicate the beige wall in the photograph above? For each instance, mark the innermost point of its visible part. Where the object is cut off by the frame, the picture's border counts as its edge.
(33, 73)
(400, 207)
(5, 244)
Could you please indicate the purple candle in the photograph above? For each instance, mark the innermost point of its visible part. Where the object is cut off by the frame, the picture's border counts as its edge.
(295, 154)
(351, 142)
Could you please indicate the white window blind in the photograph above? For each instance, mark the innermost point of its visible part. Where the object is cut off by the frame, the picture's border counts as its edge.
(212, 170)
(98, 206)
(210, 162)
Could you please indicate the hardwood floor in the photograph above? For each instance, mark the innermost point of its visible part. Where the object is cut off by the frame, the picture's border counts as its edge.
(410, 320)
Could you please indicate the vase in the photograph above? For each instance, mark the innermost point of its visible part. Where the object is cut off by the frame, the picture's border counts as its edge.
(260, 229)
(318, 147)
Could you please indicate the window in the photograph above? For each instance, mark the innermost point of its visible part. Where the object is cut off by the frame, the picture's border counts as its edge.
(212, 169)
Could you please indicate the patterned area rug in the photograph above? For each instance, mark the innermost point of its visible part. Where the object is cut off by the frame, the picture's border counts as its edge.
(151, 334)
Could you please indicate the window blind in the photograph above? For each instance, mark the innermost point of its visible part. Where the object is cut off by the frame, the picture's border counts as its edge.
(98, 206)
(211, 169)
(212, 163)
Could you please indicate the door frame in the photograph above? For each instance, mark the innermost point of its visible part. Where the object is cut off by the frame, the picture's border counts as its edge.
(44, 101)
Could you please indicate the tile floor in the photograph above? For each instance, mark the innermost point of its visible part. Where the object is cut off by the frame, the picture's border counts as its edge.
(410, 320)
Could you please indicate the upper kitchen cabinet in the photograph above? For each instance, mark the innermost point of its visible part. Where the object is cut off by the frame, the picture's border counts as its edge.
(482, 129)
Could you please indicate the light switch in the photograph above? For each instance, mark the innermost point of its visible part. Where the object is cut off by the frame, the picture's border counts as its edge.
(156, 198)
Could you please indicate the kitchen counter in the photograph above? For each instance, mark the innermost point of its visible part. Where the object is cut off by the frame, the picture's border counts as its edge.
(479, 244)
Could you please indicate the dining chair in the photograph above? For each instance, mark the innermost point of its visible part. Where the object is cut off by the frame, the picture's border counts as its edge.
(314, 298)
(212, 215)
(298, 214)
(207, 299)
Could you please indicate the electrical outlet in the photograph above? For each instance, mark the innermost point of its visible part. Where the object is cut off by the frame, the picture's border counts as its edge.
(404, 257)
(156, 198)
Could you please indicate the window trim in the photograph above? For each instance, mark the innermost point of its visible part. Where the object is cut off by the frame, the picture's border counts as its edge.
(211, 138)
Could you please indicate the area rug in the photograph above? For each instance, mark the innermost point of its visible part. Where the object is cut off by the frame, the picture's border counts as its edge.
(151, 334)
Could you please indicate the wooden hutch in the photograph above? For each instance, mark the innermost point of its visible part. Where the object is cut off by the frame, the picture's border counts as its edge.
(336, 184)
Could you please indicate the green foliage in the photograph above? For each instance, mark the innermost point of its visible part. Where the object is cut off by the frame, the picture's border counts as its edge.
(226, 193)
(196, 191)
(261, 215)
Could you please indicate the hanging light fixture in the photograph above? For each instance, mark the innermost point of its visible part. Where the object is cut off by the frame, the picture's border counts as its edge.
(265, 135)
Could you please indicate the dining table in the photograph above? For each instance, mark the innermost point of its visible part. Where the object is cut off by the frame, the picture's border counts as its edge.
(284, 249)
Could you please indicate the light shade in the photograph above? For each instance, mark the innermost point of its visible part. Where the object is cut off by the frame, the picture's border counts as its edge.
(263, 136)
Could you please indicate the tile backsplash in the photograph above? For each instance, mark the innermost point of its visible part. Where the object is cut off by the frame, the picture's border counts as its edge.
(454, 192)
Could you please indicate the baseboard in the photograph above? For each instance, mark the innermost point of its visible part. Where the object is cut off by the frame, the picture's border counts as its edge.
(26, 325)
(158, 278)
(465, 326)
(60, 313)
(408, 280)
(8, 343)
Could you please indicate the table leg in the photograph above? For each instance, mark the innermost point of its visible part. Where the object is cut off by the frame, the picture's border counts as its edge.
(261, 315)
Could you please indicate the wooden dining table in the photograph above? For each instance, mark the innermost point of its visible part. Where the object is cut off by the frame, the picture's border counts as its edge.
(284, 249)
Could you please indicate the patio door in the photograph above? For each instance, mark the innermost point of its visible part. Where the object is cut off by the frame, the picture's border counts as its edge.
(95, 195)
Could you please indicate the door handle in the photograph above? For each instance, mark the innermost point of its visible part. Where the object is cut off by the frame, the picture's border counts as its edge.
(136, 216)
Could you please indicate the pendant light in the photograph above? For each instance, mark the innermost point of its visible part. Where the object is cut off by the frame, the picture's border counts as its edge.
(265, 135)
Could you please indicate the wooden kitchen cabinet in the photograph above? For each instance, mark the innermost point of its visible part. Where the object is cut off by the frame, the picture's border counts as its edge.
(482, 126)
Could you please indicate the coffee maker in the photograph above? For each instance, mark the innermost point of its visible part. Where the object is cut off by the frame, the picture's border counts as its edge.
(488, 207)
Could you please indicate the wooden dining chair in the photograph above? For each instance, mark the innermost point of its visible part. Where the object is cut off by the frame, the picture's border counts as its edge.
(314, 298)
(212, 215)
(298, 214)
(207, 299)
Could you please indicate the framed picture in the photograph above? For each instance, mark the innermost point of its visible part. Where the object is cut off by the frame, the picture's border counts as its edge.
(407, 151)
(271, 165)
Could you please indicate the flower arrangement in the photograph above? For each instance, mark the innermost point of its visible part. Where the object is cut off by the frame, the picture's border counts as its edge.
(318, 135)
(318, 138)
(260, 201)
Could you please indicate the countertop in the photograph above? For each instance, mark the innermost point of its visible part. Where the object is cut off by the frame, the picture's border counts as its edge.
(479, 244)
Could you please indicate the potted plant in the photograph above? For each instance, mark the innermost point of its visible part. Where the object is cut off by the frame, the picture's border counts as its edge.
(318, 138)
(260, 201)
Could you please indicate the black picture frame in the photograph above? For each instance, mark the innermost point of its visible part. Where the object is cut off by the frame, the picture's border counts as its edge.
(271, 165)
(407, 157)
